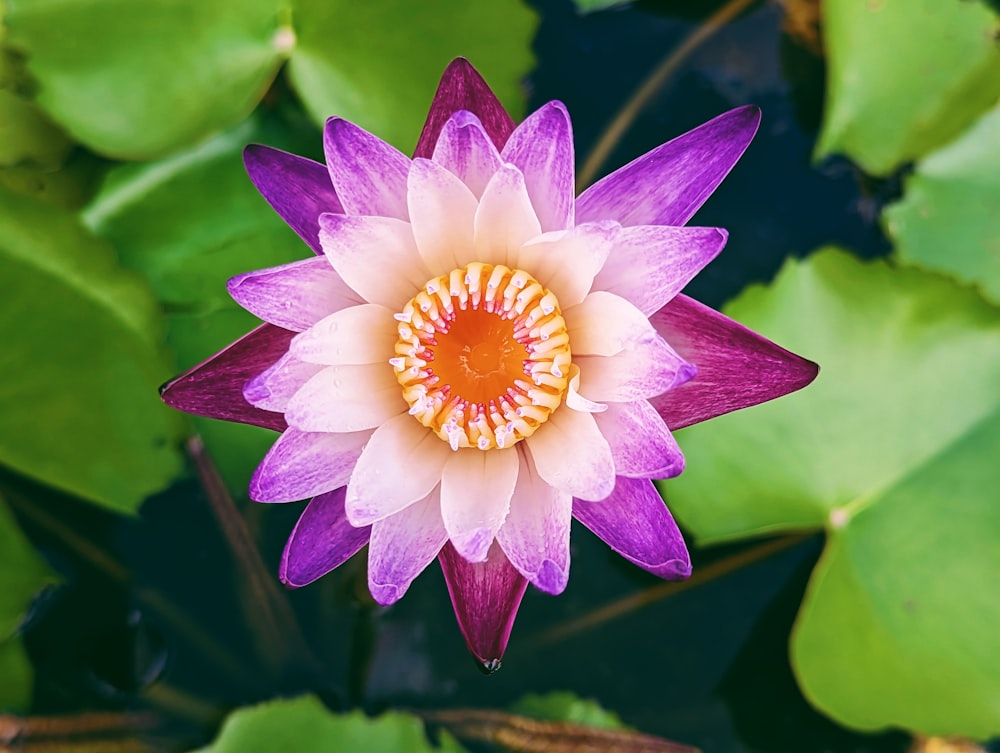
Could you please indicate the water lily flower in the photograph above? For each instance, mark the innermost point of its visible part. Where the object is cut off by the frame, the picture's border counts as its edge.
(475, 356)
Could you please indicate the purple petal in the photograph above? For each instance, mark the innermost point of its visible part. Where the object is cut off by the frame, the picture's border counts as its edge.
(321, 541)
(293, 296)
(737, 367)
(542, 148)
(465, 149)
(667, 185)
(640, 441)
(535, 535)
(650, 264)
(273, 388)
(636, 523)
(214, 388)
(303, 464)
(297, 188)
(462, 88)
(368, 174)
(402, 545)
(485, 596)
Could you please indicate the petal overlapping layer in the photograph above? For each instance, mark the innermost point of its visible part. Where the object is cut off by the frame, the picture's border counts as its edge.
(402, 545)
(321, 541)
(293, 296)
(214, 388)
(636, 523)
(737, 367)
(465, 149)
(298, 189)
(368, 174)
(303, 464)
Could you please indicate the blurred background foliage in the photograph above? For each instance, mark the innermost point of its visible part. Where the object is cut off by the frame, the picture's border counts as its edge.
(847, 537)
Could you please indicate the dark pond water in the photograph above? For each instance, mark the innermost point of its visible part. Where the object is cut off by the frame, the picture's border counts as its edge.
(707, 665)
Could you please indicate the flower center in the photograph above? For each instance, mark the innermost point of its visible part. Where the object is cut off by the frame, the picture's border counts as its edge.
(482, 356)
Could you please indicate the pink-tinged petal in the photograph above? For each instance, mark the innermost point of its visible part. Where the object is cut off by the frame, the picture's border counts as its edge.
(485, 596)
(442, 213)
(737, 367)
(650, 264)
(303, 464)
(368, 174)
(667, 185)
(293, 296)
(634, 522)
(570, 454)
(640, 441)
(357, 335)
(214, 388)
(576, 401)
(605, 324)
(402, 545)
(298, 189)
(542, 149)
(274, 387)
(462, 88)
(376, 256)
(505, 219)
(475, 496)
(567, 262)
(649, 367)
(402, 463)
(535, 536)
(465, 149)
(321, 541)
(346, 398)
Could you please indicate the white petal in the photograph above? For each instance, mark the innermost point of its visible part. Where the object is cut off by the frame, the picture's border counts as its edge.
(356, 335)
(476, 487)
(566, 262)
(376, 256)
(465, 149)
(648, 368)
(302, 465)
(401, 463)
(576, 401)
(571, 454)
(347, 398)
(604, 324)
(273, 389)
(442, 213)
(402, 545)
(505, 220)
(535, 536)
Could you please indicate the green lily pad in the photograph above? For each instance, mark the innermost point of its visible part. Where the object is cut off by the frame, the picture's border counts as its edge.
(567, 707)
(893, 451)
(22, 574)
(378, 64)
(589, 6)
(136, 80)
(16, 676)
(304, 725)
(80, 362)
(189, 223)
(948, 217)
(905, 76)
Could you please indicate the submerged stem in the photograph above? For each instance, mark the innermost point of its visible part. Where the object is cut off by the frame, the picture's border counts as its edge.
(640, 98)
(632, 602)
(276, 632)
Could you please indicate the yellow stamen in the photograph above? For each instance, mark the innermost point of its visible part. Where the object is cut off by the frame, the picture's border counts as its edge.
(483, 356)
